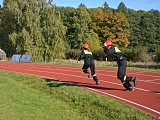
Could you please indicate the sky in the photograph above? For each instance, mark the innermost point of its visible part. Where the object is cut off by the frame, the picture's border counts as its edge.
(133, 4)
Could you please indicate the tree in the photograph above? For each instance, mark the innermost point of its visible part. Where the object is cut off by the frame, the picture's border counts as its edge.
(36, 29)
(83, 33)
(113, 26)
(122, 8)
(6, 28)
(120, 28)
(67, 15)
(54, 34)
(105, 5)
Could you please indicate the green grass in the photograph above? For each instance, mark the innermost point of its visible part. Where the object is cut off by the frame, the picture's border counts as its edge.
(24, 97)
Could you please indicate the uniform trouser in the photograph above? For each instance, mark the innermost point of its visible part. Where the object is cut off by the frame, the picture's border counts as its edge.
(121, 74)
(90, 64)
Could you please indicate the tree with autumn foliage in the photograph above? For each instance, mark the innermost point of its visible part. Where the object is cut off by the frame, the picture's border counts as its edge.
(114, 26)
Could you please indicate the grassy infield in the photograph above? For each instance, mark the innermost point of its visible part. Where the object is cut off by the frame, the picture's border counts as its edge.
(24, 97)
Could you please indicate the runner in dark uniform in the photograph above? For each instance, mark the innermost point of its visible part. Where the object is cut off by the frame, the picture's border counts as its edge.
(122, 65)
(86, 55)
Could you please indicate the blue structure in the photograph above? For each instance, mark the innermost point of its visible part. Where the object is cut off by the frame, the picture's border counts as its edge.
(16, 58)
(25, 58)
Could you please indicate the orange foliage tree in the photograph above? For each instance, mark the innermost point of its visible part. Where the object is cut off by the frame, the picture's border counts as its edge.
(114, 26)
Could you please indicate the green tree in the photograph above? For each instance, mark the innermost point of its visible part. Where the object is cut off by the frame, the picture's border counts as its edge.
(155, 32)
(27, 37)
(105, 5)
(54, 33)
(134, 19)
(67, 14)
(36, 29)
(83, 33)
(6, 28)
(122, 8)
(144, 28)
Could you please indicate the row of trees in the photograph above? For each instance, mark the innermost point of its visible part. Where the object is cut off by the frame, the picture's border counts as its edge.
(32, 27)
(47, 31)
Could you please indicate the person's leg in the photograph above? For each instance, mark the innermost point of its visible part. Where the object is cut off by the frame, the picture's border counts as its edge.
(85, 69)
(121, 74)
(131, 79)
(93, 73)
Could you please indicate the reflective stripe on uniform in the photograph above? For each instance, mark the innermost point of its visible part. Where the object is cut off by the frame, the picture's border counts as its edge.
(117, 50)
(87, 52)
(94, 75)
(124, 79)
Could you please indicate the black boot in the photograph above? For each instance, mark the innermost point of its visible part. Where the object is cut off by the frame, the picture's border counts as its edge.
(88, 74)
(133, 79)
(96, 80)
(87, 71)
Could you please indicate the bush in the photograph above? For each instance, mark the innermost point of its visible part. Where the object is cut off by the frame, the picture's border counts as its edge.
(99, 55)
(157, 55)
(128, 53)
(140, 54)
(72, 53)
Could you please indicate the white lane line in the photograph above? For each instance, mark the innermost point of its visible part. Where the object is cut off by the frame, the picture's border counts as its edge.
(158, 112)
(141, 89)
(72, 68)
(74, 71)
(153, 80)
(149, 81)
(79, 77)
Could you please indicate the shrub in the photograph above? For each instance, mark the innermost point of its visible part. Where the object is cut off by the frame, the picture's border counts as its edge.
(99, 54)
(157, 55)
(140, 54)
(72, 53)
(128, 53)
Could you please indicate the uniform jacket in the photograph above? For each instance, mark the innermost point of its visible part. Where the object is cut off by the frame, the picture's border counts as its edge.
(85, 55)
(115, 52)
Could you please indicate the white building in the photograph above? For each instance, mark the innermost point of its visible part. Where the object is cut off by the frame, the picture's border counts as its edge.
(2, 55)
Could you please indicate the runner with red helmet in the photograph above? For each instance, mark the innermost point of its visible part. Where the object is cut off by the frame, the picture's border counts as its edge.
(86, 55)
(122, 65)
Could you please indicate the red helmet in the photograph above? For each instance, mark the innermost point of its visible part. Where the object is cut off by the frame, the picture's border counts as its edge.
(86, 46)
(108, 43)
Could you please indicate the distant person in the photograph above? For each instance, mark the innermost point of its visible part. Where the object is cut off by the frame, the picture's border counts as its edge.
(86, 55)
(122, 65)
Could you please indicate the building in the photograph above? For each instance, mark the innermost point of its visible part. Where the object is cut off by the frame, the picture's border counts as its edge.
(2, 55)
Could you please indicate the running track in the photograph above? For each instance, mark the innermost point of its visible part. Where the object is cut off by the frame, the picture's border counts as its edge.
(145, 97)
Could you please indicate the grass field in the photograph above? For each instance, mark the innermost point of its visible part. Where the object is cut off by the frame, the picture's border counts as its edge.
(24, 97)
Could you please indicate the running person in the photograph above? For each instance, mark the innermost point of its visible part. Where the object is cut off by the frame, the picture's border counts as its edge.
(86, 55)
(122, 65)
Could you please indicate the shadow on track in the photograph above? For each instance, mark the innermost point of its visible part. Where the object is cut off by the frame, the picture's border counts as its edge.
(79, 84)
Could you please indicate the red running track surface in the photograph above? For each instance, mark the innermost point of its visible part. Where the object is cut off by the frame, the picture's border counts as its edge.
(145, 97)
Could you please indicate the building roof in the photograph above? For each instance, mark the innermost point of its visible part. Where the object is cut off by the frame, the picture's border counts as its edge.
(2, 52)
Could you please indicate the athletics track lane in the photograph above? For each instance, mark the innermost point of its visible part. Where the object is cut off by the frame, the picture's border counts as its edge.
(146, 96)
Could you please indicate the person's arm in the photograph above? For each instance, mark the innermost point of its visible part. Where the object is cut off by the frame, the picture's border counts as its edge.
(81, 56)
(108, 49)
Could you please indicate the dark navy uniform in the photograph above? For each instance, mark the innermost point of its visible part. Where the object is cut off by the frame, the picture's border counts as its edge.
(88, 63)
(122, 65)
